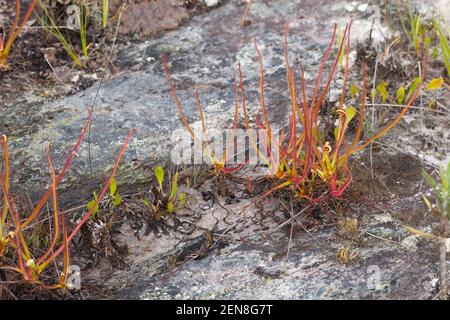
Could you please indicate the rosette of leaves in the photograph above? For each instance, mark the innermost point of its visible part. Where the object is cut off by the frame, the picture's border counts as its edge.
(163, 199)
(114, 199)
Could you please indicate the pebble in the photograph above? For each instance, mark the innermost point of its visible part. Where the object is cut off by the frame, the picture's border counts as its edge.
(349, 7)
(211, 3)
(75, 78)
(363, 7)
(410, 243)
(334, 95)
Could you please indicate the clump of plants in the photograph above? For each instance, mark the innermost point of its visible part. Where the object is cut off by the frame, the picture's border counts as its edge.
(82, 17)
(428, 36)
(220, 164)
(165, 198)
(306, 159)
(16, 226)
(313, 162)
(17, 26)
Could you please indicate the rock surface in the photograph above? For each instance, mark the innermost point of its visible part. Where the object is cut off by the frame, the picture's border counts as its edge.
(258, 268)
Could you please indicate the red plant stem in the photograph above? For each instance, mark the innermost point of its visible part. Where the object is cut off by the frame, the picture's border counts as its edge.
(16, 29)
(342, 115)
(236, 102)
(361, 116)
(17, 16)
(261, 85)
(246, 120)
(6, 182)
(205, 136)
(337, 193)
(322, 66)
(97, 201)
(246, 10)
(175, 96)
(307, 125)
(66, 167)
(292, 122)
(200, 109)
(55, 211)
(385, 12)
(286, 55)
(180, 108)
(235, 122)
(318, 104)
(66, 254)
(18, 233)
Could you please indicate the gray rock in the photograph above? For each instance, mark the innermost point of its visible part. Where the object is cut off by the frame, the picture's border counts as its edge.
(254, 271)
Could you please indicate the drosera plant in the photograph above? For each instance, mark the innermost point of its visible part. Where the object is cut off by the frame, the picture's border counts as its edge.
(308, 163)
(16, 225)
(305, 159)
(165, 199)
(16, 28)
(220, 163)
(113, 199)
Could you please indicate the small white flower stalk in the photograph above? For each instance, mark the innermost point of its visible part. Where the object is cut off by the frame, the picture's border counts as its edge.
(441, 192)
(31, 264)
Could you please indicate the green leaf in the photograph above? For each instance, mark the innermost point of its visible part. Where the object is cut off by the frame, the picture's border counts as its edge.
(373, 93)
(117, 200)
(427, 42)
(159, 174)
(435, 84)
(174, 188)
(382, 91)
(413, 86)
(435, 53)
(350, 112)
(427, 202)
(445, 177)
(182, 198)
(443, 43)
(354, 91)
(91, 204)
(170, 207)
(400, 95)
(113, 187)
